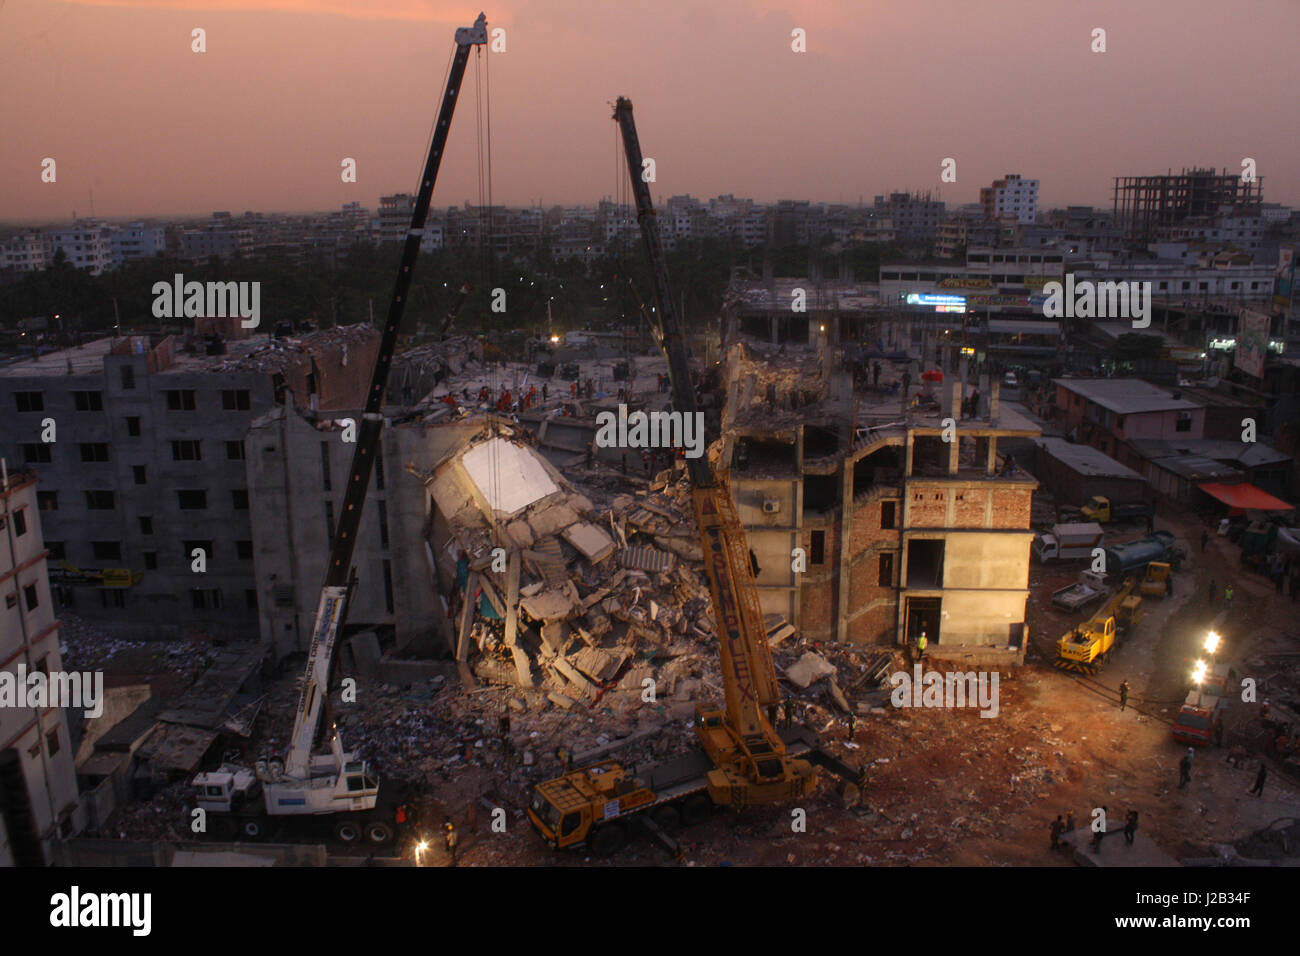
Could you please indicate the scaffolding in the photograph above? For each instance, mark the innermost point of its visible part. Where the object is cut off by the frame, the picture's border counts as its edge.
(1148, 206)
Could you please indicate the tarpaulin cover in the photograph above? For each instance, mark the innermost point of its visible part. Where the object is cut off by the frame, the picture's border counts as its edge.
(1243, 496)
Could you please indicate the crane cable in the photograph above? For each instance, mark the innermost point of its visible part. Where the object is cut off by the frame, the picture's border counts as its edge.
(483, 147)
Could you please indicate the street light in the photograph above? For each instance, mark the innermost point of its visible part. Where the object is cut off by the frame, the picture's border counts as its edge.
(1211, 642)
(1198, 676)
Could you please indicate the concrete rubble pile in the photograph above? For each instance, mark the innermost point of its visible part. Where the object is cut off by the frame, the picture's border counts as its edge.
(279, 355)
(798, 381)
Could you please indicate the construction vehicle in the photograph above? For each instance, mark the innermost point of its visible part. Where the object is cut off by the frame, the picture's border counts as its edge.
(1202, 711)
(1132, 557)
(1087, 648)
(1068, 542)
(742, 760)
(1090, 587)
(1100, 509)
(1159, 580)
(336, 787)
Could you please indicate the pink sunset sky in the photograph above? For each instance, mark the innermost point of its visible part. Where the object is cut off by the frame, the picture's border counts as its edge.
(886, 90)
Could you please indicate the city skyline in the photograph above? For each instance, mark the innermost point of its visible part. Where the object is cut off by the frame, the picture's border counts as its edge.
(263, 118)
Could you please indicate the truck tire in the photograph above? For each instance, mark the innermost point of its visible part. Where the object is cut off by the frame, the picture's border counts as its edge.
(347, 831)
(608, 839)
(696, 809)
(252, 829)
(378, 832)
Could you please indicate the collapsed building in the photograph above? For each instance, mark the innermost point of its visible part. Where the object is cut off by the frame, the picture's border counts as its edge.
(877, 508)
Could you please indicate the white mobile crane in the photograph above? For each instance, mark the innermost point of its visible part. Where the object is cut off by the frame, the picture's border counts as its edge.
(336, 787)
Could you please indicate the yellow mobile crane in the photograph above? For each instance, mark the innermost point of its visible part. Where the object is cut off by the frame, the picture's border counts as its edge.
(1086, 648)
(742, 759)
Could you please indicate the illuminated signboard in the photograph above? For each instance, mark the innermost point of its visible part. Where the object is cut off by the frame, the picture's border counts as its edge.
(953, 303)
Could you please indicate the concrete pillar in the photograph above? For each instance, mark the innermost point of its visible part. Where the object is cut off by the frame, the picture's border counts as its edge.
(995, 387)
(993, 446)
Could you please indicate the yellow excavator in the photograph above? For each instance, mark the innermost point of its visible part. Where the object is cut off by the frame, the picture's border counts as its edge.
(742, 758)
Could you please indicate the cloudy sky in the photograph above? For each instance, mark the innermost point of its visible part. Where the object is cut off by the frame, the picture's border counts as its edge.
(886, 90)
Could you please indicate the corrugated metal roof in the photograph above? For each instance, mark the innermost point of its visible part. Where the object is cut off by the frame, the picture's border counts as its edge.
(1086, 460)
(1125, 396)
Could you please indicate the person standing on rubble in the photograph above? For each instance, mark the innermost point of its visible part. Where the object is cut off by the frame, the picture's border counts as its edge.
(1058, 827)
(787, 707)
(546, 389)
(921, 643)
(907, 383)
(450, 838)
(1123, 695)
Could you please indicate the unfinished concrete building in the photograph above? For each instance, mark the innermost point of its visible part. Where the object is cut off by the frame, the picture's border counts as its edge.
(905, 525)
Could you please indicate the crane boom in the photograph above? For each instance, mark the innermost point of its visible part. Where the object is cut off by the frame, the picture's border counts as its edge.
(750, 757)
(332, 607)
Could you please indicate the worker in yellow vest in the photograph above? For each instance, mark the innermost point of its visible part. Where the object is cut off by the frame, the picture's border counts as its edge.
(920, 647)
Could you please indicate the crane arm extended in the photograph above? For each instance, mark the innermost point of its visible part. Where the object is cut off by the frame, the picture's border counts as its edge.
(332, 607)
(757, 752)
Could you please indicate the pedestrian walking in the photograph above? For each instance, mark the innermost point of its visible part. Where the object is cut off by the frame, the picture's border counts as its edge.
(450, 838)
(1058, 827)
(1123, 695)
(1227, 598)
(1258, 789)
(1205, 539)
(1184, 771)
(545, 390)
(1131, 827)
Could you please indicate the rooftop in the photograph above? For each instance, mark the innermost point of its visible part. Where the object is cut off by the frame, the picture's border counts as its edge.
(1086, 460)
(1125, 396)
(1247, 454)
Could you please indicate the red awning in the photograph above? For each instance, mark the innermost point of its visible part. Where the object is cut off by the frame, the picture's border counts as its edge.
(1245, 497)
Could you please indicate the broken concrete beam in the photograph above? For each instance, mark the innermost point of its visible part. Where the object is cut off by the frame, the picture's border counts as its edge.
(490, 591)
(573, 676)
(599, 664)
(466, 618)
(590, 541)
(512, 599)
(519, 535)
(780, 633)
(522, 666)
(837, 695)
(809, 669)
(549, 605)
(551, 520)
(559, 700)
(555, 634)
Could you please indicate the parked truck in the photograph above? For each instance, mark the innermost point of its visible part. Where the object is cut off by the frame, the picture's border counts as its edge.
(1068, 542)
(1090, 587)
(1132, 557)
(1101, 509)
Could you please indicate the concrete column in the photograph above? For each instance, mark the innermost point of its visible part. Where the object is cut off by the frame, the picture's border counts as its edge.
(995, 387)
(993, 448)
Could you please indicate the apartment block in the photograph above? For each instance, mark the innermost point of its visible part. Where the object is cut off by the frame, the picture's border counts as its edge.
(38, 781)
(140, 445)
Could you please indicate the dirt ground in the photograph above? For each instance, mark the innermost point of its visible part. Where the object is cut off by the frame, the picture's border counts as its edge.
(948, 787)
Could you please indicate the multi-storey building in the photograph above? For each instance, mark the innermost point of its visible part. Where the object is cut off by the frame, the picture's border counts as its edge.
(140, 446)
(916, 216)
(26, 252)
(38, 781)
(87, 243)
(1011, 196)
(137, 240)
